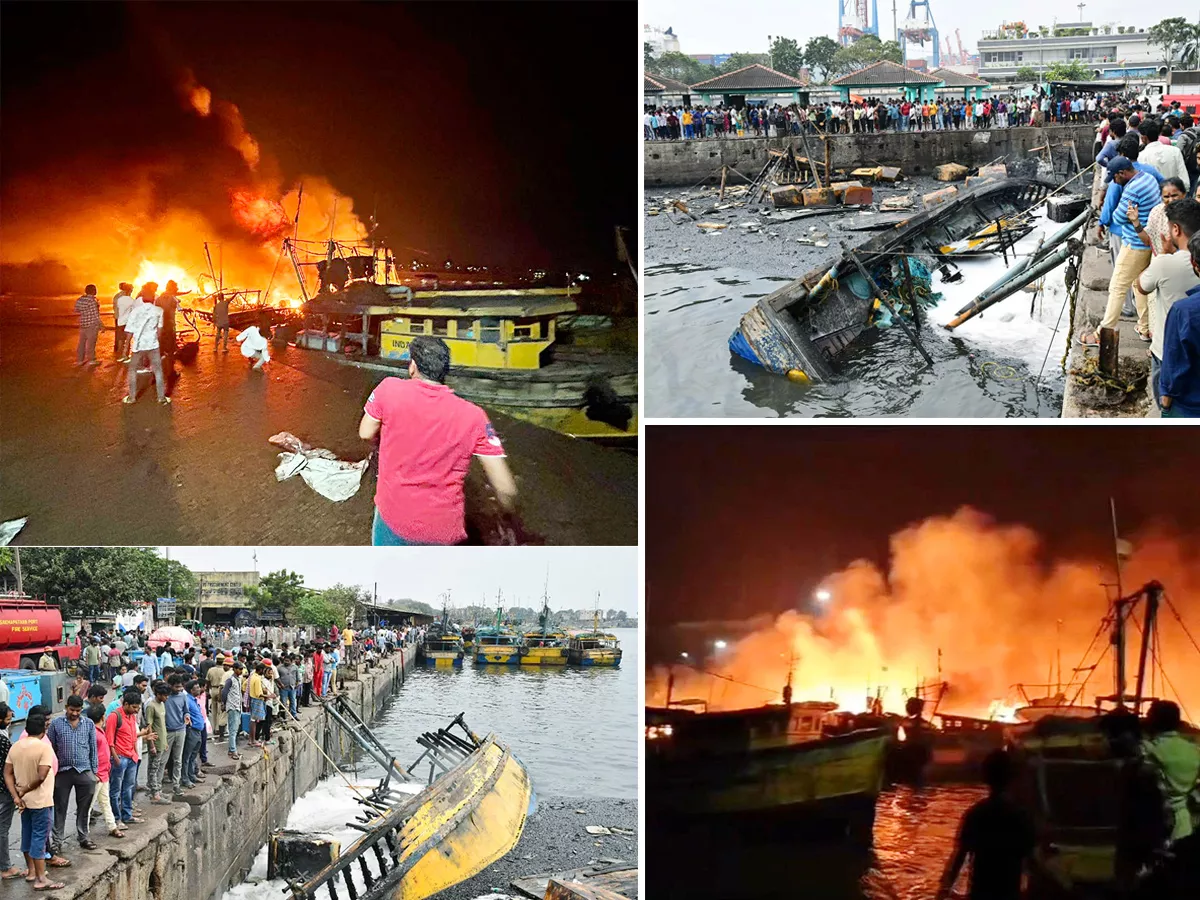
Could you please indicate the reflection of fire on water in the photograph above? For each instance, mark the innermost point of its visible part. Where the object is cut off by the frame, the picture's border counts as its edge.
(961, 590)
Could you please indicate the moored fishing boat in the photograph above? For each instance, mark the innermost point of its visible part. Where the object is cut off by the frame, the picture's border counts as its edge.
(442, 646)
(497, 645)
(544, 646)
(757, 769)
(1098, 807)
(595, 647)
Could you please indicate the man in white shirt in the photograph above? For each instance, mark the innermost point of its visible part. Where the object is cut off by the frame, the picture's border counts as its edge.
(144, 326)
(1164, 157)
(122, 304)
(1169, 276)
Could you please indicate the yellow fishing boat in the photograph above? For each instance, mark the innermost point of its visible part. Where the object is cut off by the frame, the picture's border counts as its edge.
(414, 847)
(497, 646)
(442, 647)
(595, 647)
(545, 646)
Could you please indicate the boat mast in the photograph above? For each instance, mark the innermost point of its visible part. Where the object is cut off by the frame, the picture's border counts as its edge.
(1153, 593)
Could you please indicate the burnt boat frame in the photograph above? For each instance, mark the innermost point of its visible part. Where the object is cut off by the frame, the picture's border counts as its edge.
(807, 323)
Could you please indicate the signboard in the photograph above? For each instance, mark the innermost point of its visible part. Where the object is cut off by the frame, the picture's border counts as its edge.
(271, 615)
(166, 608)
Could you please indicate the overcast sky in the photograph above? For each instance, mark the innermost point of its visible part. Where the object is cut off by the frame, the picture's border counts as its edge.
(423, 573)
(707, 26)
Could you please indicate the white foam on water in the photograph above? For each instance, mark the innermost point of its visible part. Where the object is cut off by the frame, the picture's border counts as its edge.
(1007, 330)
(323, 811)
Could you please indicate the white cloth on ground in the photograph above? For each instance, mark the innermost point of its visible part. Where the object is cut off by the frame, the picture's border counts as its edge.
(332, 478)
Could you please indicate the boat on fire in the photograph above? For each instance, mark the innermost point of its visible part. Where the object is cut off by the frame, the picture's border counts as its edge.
(801, 329)
(471, 812)
(1097, 811)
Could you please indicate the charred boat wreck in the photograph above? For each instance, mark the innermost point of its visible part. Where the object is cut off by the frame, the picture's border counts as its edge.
(800, 329)
(471, 811)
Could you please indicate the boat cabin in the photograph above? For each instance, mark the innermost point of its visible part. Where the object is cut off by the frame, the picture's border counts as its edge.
(506, 329)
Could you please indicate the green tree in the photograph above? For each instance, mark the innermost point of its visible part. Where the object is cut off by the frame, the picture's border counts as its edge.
(1074, 70)
(424, 608)
(281, 590)
(818, 55)
(344, 598)
(6, 557)
(1026, 73)
(682, 68)
(314, 609)
(786, 56)
(648, 56)
(741, 60)
(1177, 37)
(864, 52)
(88, 581)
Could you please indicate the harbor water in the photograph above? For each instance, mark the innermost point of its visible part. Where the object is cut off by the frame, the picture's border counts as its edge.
(988, 367)
(914, 835)
(575, 730)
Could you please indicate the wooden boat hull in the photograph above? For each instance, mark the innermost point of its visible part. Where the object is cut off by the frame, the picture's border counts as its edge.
(498, 656)
(830, 777)
(801, 329)
(451, 831)
(439, 659)
(609, 658)
(544, 656)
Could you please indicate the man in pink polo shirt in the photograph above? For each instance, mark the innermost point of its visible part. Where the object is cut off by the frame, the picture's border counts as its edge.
(427, 436)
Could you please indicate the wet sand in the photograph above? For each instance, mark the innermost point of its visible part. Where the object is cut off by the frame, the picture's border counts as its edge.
(87, 469)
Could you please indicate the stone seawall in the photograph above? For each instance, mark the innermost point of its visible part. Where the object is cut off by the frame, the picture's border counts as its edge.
(685, 163)
(206, 844)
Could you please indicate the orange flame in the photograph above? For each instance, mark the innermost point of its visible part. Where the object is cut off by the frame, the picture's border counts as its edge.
(161, 273)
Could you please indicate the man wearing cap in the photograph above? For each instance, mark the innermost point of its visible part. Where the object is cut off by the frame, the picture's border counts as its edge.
(1141, 189)
(48, 663)
(214, 677)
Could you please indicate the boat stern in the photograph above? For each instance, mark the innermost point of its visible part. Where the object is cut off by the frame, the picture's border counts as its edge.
(772, 340)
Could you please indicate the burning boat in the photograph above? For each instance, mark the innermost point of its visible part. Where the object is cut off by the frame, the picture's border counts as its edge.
(471, 812)
(800, 329)
(1100, 818)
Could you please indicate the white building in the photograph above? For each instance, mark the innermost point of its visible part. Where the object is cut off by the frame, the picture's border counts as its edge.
(1106, 52)
(661, 41)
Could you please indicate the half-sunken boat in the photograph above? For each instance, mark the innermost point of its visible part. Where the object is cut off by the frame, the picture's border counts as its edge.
(801, 329)
(595, 647)
(1101, 820)
(471, 812)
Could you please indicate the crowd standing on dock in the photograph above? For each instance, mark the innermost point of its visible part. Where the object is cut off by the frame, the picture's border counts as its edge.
(163, 709)
(1147, 174)
(874, 114)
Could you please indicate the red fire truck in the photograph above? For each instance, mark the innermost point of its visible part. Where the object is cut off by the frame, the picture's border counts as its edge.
(27, 628)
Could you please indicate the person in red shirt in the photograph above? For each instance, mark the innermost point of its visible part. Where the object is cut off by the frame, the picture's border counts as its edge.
(427, 437)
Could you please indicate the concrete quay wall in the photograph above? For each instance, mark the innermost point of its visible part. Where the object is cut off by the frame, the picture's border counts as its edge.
(684, 163)
(205, 845)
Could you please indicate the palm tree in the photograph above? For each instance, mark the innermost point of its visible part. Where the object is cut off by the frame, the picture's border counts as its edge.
(1189, 51)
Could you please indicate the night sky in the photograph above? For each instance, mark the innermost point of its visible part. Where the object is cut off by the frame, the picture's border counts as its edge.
(761, 513)
(492, 133)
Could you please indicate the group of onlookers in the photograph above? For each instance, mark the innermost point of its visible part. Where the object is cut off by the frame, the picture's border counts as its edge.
(163, 708)
(871, 114)
(1146, 189)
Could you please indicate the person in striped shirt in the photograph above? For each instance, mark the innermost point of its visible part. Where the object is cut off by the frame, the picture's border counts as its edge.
(1138, 188)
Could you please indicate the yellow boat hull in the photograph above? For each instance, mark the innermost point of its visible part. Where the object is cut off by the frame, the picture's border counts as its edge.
(505, 657)
(609, 658)
(544, 656)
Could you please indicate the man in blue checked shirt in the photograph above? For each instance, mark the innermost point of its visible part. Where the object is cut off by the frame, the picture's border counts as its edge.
(1141, 189)
(73, 737)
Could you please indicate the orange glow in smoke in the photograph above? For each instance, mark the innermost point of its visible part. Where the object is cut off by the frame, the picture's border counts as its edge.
(963, 599)
(260, 216)
(160, 274)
